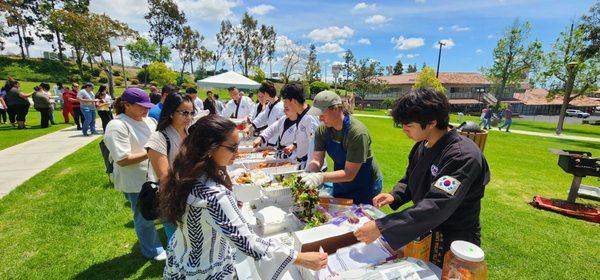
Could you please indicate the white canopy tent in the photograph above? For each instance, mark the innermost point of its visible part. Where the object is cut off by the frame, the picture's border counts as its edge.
(228, 79)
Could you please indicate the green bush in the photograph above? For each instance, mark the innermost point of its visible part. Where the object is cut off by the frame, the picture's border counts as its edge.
(388, 102)
(118, 81)
(96, 72)
(161, 74)
(318, 86)
(35, 70)
(141, 75)
(134, 81)
(74, 78)
(116, 73)
(87, 77)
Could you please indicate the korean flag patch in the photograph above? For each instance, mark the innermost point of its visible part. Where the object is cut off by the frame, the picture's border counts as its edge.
(447, 184)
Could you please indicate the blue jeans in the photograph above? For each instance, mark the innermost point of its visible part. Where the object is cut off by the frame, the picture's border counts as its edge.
(148, 237)
(169, 230)
(506, 124)
(89, 120)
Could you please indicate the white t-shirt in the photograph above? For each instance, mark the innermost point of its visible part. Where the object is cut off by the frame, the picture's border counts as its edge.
(125, 136)
(198, 104)
(85, 95)
(158, 143)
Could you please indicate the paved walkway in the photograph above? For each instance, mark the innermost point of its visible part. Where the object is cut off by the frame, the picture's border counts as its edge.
(23, 161)
(532, 133)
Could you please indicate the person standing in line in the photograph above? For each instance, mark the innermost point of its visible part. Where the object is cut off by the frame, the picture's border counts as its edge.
(165, 91)
(58, 95)
(219, 106)
(163, 145)
(17, 103)
(3, 106)
(104, 104)
(67, 108)
(125, 138)
(239, 107)
(45, 88)
(41, 102)
(209, 103)
(155, 97)
(88, 108)
(193, 93)
(72, 96)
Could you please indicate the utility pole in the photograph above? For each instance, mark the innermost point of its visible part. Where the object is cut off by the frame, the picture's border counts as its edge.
(437, 72)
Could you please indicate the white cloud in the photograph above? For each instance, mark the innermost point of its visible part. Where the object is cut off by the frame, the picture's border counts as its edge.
(412, 55)
(364, 7)
(330, 48)
(448, 43)
(440, 28)
(478, 51)
(260, 9)
(407, 43)
(399, 56)
(376, 20)
(364, 41)
(337, 63)
(459, 28)
(283, 42)
(207, 9)
(330, 34)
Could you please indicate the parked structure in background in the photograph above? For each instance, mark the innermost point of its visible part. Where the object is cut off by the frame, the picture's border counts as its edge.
(469, 92)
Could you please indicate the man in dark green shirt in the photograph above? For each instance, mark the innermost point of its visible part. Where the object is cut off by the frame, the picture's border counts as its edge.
(347, 141)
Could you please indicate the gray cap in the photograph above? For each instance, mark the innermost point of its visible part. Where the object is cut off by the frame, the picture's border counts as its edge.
(324, 100)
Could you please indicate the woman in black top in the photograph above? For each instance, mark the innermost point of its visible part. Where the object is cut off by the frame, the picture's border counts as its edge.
(17, 103)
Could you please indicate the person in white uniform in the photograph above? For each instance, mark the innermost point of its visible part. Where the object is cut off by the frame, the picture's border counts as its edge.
(197, 197)
(270, 114)
(239, 107)
(193, 93)
(284, 131)
(304, 140)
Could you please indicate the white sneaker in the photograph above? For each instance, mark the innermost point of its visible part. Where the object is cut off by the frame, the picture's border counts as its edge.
(161, 257)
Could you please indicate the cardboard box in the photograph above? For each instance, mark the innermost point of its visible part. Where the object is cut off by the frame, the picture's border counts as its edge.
(419, 248)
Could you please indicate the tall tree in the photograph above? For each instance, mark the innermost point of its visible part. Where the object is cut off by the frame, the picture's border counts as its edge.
(270, 41)
(188, 44)
(3, 34)
(224, 40)
(143, 51)
(294, 56)
(248, 42)
(568, 71)
(398, 68)
(412, 68)
(313, 67)
(349, 65)
(591, 28)
(165, 20)
(514, 58)
(427, 79)
(365, 79)
(92, 34)
(20, 17)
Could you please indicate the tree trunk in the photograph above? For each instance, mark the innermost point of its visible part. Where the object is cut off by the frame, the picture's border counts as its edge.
(566, 99)
(21, 42)
(108, 69)
(24, 36)
(89, 57)
(79, 60)
(192, 66)
(61, 56)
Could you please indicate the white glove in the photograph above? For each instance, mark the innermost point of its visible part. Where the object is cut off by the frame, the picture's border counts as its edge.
(312, 179)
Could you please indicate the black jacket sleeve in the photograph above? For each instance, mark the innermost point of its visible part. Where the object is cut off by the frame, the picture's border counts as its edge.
(400, 192)
(438, 205)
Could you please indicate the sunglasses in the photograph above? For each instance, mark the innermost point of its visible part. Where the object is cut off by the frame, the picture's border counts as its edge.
(232, 149)
(186, 113)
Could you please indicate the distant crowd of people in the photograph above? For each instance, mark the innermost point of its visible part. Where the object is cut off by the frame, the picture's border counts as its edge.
(487, 114)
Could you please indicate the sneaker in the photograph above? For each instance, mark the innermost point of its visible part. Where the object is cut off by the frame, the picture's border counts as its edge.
(161, 257)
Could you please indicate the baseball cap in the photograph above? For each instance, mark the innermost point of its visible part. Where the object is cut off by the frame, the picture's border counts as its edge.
(324, 100)
(88, 85)
(137, 96)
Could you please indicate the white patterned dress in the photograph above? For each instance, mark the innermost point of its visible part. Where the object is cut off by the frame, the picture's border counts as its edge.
(203, 246)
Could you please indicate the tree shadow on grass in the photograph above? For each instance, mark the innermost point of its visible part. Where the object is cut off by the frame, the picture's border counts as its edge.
(123, 267)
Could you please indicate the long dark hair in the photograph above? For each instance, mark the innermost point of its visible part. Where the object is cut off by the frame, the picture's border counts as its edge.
(10, 83)
(101, 90)
(171, 104)
(193, 161)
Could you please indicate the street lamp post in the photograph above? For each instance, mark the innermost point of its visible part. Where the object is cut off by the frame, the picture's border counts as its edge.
(437, 72)
(335, 69)
(123, 64)
(145, 66)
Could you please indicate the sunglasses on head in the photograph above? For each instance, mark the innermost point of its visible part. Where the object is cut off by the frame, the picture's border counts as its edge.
(186, 113)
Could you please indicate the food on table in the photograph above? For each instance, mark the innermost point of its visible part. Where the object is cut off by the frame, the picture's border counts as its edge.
(244, 178)
(257, 177)
(271, 164)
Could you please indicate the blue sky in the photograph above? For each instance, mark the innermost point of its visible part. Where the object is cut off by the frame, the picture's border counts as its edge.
(380, 30)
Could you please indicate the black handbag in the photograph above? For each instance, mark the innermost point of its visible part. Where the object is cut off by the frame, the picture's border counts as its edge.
(148, 197)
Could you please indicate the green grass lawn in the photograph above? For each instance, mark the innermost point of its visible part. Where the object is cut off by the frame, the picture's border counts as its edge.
(12, 136)
(68, 222)
(518, 124)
